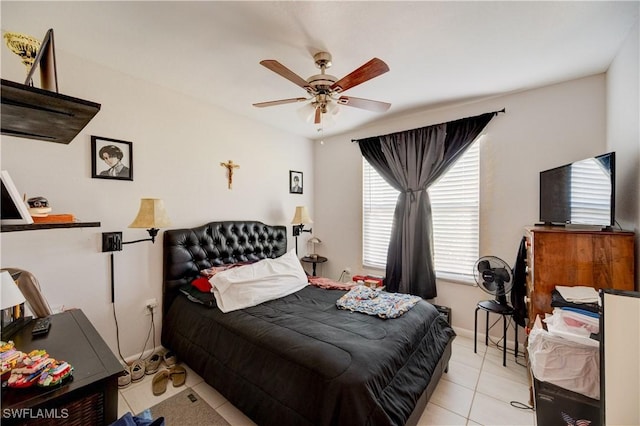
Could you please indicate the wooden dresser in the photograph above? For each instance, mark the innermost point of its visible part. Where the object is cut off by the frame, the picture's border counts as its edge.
(559, 256)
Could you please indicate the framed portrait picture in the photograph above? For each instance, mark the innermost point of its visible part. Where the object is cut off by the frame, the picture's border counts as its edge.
(295, 182)
(111, 159)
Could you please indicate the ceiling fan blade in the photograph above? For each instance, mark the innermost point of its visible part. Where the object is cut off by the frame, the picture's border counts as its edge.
(317, 118)
(367, 104)
(371, 69)
(278, 102)
(285, 72)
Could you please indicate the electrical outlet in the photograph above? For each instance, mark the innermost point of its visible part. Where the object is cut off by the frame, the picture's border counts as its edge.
(111, 241)
(150, 305)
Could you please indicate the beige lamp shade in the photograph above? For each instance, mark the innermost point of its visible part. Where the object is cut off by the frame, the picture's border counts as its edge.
(151, 214)
(11, 294)
(301, 216)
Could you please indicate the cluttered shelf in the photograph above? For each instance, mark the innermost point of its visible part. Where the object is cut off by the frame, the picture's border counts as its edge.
(38, 226)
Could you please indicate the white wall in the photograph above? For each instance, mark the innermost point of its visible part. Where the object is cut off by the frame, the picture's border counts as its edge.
(178, 144)
(623, 133)
(541, 129)
(622, 344)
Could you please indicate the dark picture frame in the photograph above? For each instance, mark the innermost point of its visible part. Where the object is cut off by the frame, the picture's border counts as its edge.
(295, 182)
(111, 158)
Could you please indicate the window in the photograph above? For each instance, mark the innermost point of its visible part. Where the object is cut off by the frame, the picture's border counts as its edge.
(455, 213)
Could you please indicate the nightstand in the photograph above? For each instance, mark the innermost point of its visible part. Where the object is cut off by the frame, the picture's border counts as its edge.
(91, 397)
(314, 260)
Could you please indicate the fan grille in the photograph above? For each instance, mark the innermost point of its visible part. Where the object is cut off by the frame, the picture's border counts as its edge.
(493, 275)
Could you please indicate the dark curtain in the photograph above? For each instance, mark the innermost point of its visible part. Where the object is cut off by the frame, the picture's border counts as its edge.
(411, 161)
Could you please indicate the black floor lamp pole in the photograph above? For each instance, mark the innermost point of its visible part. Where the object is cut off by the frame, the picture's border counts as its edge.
(112, 281)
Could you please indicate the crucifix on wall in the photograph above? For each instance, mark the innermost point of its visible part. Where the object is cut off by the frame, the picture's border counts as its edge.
(230, 166)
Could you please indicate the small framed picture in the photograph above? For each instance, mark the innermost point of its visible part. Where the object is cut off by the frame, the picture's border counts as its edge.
(295, 182)
(111, 159)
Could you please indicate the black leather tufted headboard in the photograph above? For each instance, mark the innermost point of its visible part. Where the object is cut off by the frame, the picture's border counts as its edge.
(188, 251)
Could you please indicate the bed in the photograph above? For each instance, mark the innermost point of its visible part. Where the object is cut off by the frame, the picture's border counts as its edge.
(297, 360)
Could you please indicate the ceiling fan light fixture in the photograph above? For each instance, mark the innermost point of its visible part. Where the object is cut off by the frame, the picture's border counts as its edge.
(307, 112)
(332, 108)
(328, 120)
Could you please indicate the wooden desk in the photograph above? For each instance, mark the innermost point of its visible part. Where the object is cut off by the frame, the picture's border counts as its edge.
(90, 398)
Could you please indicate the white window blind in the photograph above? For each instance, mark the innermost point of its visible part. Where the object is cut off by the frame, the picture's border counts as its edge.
(455, 215)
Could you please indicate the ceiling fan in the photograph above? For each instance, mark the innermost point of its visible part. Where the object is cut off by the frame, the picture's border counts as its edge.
(325, 90)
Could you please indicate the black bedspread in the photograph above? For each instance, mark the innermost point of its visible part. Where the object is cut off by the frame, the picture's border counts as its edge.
(299, 360)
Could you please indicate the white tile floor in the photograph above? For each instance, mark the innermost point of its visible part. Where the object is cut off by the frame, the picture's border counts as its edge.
(477, 390)
(137, 397)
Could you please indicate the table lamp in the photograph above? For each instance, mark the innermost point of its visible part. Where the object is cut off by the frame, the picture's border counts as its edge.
(313, 241)
(12, 306)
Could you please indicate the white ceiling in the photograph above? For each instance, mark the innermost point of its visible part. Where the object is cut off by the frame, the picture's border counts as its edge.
(437, 52)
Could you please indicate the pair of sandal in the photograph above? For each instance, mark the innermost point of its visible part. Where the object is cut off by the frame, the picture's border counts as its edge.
(177, 374)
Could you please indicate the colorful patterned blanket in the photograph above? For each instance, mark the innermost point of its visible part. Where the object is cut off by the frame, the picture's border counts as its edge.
(330, 284)
(375, 302)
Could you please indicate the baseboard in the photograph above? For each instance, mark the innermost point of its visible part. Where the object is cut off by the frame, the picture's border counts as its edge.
(143, 355)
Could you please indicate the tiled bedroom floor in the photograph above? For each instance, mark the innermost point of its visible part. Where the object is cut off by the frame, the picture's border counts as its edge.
(476, 391)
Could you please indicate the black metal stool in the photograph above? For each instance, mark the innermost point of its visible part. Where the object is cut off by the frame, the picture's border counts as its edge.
(491, 306)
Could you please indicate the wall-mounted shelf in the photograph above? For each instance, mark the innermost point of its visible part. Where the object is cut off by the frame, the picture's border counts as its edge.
(38, 226)
(32, 113)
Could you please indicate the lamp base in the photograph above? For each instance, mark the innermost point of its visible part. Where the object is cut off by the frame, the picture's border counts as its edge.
(9, 330)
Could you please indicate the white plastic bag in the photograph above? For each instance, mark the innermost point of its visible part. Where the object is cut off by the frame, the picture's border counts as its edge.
(565, 363)
(573, 326)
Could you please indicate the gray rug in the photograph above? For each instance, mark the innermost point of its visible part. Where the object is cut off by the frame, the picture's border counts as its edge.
(187, 409)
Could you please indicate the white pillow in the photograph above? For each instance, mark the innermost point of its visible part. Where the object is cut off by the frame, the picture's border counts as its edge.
(259, 282)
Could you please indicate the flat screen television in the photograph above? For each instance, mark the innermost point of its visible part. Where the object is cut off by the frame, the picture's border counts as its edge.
(580, 193)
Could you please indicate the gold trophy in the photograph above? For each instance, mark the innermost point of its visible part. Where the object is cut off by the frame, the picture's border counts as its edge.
(24, 46)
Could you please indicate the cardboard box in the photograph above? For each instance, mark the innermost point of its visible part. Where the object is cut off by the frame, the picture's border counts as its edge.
(556, 406)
